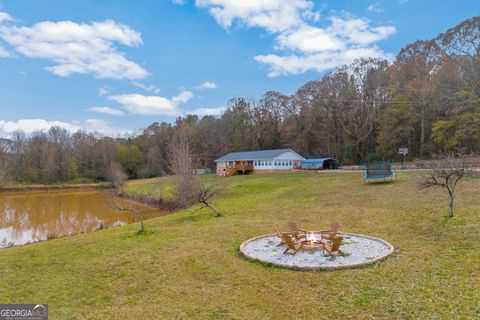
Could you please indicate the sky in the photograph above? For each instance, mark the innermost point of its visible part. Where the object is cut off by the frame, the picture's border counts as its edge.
(116, 66)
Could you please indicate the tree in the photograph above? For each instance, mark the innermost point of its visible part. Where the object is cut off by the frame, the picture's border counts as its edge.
(4, 167)
(237, 125)
(446, 174)
(462, 43)
(181, 160)
(205, 194)
(117, 176)
(130, 158)
(209, 141)
(126, 202)
(396, 127)
(414, 72)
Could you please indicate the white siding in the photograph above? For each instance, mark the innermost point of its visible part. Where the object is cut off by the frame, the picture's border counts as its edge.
(262, 165)
(273, 164)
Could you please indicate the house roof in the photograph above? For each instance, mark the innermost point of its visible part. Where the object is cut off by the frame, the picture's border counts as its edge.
(317, 160)
(256, 155)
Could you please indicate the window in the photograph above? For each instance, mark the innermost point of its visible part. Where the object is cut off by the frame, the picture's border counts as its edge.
(290, 163)
(276, 163)
(230, 163)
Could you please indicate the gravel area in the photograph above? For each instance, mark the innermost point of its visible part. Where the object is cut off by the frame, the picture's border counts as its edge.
(360, 250)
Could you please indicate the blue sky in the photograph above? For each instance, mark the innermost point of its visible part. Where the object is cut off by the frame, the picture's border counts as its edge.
(116, 66)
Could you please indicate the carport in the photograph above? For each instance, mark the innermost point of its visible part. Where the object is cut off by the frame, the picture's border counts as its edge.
(320, 164)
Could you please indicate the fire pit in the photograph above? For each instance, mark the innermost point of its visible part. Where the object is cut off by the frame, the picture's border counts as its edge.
(359, 250)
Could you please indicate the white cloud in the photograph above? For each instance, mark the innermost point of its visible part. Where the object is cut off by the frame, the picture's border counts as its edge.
(298, 34)
(104, 128)
(106, 110)
(308, 39)
(78, 47)
(149, 88)
(273, 15)
(375, 7)
(358, 31)
(319, 62)
(208, 85)
(30, 126)
(207, 111)
(179, 2)
(5, 17)
(3, 53)
(153, 105)
(33, 125)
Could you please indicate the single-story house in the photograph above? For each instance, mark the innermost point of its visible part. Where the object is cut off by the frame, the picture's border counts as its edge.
(263, 161)
(320, 164)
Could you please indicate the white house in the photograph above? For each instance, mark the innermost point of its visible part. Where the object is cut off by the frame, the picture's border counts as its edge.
(263, 161)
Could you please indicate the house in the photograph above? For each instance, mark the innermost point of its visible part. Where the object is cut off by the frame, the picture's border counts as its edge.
(263, 161)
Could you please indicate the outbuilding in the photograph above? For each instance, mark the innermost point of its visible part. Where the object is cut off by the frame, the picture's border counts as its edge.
(320, 164)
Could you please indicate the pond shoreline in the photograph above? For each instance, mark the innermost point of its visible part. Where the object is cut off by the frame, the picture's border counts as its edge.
(55, 187)
(45, 213)
(168, 206)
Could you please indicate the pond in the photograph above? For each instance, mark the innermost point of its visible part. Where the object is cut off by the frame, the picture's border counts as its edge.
(27, 217)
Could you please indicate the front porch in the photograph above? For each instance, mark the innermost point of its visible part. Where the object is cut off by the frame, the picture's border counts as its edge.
(234, 167)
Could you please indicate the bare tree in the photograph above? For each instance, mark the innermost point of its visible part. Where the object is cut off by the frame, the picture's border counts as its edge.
(121, 201)
(128, 204)
(205, 194)
(4, 177)
(446, 174)
(181, 165)
(4, 168)
(117, 176)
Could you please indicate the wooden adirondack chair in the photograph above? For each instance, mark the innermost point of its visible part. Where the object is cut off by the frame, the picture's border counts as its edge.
(334, 248)
(280, 235)
(331, 233)
(291, 245)
(296, 232)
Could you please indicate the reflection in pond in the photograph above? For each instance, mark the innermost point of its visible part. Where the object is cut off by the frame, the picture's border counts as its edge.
(36, 216)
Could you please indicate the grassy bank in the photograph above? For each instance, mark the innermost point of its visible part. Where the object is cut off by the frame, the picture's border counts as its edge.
(187, 266)
(163, 187)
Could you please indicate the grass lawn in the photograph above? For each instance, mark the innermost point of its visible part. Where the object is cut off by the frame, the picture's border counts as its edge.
(188, 267)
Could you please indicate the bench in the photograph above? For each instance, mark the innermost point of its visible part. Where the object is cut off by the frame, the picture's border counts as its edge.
(379, 170)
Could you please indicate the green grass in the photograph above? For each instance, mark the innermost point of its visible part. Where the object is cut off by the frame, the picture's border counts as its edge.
(158, 187)
(188, 267)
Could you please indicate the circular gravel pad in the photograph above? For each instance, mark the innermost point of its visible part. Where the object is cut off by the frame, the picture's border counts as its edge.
(360, 250)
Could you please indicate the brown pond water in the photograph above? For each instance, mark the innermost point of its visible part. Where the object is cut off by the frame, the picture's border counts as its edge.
(36, 216)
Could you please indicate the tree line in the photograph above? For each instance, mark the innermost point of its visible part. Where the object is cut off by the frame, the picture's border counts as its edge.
(427, 99)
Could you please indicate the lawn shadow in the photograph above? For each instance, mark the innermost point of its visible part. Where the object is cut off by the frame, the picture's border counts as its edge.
(380, 182)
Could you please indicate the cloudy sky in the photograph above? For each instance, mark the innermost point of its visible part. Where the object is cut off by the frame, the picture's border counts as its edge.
(115, 66)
